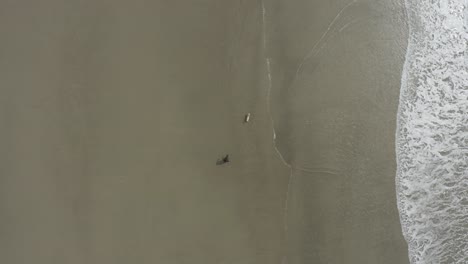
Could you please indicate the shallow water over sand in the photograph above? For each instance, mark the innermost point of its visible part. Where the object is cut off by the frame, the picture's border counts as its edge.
(335, 70)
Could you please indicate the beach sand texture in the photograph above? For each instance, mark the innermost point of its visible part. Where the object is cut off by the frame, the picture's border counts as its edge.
(114, 114)
(336, 68)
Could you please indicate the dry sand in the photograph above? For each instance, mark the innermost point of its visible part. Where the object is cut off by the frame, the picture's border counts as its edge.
(115, 112)
(113, 116)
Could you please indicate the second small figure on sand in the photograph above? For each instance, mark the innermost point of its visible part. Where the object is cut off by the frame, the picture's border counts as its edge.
(223, 160)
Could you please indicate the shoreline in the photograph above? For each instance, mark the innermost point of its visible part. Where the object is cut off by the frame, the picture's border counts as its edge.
(335, 121)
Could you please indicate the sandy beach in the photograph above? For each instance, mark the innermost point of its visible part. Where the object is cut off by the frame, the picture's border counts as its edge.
(338, 66)
(114, 114)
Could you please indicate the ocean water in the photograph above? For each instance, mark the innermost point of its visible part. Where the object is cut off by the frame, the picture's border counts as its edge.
(432, 133)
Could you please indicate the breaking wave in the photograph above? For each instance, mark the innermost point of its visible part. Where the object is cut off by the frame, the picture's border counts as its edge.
(432, 133)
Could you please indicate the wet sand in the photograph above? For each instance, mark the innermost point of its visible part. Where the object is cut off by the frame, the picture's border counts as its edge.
(337, 66)
(114, 114)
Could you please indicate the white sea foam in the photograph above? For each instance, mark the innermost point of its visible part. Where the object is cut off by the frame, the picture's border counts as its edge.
(432, 133)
